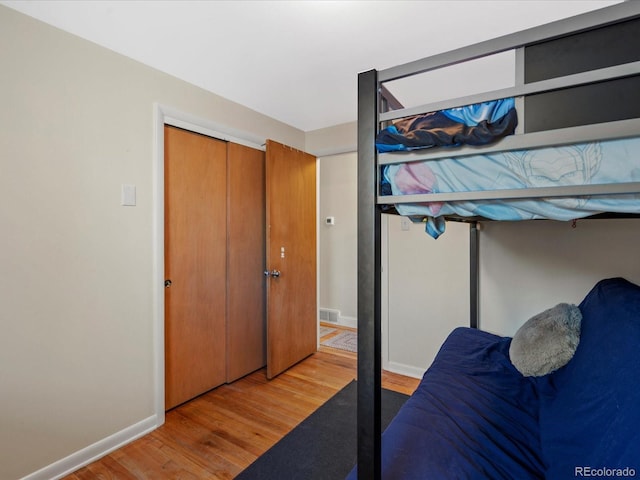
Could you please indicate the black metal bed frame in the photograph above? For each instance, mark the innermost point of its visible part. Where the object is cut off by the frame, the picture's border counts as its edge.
(376, 105)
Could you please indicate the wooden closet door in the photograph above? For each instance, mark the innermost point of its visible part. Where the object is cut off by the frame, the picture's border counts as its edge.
(292, 312)
(195, 263)
(246, 316)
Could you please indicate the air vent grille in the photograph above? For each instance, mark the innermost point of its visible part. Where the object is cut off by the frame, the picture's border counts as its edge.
(329, 315)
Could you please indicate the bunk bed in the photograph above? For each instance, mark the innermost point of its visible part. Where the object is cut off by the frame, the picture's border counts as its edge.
(577, 90)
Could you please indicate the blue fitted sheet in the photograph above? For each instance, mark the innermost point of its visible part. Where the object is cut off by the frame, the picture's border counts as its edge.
(614, 161)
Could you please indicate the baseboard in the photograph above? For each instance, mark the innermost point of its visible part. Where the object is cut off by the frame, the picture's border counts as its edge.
(407, 370)
(93, 452)
(332, 316)
(350, 322)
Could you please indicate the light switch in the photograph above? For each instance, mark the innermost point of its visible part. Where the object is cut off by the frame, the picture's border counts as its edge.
(128, 195)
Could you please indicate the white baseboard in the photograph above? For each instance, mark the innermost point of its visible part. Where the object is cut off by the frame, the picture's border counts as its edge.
(407, 370)
(93, 452)
(332, 316)
(351, 322)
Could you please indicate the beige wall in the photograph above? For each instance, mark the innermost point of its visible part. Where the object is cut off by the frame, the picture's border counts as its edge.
(338, 243)
(428, 285)
(332, 140)
(76, 268)
(527, 267)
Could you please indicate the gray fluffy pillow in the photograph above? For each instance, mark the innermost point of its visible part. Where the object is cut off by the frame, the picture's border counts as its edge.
(546, 341)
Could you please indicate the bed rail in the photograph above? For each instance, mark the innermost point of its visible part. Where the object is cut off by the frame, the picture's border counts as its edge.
(560, 28)
(563, 136)
(558, 83)
(519, 193)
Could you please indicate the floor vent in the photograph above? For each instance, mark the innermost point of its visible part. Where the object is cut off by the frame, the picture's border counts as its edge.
(328, 315)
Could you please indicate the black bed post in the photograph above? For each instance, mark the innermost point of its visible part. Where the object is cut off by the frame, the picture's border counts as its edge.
(369, 278)
(474, 275)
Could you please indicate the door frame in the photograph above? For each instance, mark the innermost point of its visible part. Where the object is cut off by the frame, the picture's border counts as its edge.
(164, 115)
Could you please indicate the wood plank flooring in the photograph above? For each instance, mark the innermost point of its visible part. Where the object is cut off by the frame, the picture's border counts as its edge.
(220, 433)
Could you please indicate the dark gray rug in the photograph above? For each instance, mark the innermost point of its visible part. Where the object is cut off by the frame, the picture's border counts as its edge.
(324, 445)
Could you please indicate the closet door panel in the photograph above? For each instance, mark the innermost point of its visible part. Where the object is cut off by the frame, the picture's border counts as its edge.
(246, 316)
(292, 312)
(195, 262)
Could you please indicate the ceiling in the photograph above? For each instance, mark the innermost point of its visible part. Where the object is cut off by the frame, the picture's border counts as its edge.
(295, 61)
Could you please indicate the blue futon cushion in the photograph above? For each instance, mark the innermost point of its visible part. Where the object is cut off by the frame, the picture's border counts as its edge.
(473, 416)
(590, 408)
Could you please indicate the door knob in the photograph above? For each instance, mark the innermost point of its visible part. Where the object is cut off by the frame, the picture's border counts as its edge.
(167, 283)
(272, 273)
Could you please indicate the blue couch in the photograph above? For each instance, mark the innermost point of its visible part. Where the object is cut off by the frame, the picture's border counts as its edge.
(474, 416)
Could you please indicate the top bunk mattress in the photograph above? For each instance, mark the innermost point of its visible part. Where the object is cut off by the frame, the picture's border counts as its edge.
(595, 163)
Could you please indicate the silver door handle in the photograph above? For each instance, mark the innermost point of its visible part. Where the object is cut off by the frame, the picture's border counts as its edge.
(167, 283)
(272, 273)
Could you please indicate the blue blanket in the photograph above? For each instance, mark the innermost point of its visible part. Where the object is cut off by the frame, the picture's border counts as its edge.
(477, 124)
(581, 164)
(473, 416)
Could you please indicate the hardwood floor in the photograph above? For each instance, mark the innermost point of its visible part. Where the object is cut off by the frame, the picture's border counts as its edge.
(218, 434)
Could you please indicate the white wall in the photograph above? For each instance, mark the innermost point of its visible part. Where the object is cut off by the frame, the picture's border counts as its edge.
(334, 140)
(527, 267)
(428, 292)
(338, 243)
(76, 268)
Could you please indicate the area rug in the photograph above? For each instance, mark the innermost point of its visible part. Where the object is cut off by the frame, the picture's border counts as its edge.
(324, 445)
(346, 340)
(326, 331)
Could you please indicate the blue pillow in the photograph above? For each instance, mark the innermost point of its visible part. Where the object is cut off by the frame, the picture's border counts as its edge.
(590, 408)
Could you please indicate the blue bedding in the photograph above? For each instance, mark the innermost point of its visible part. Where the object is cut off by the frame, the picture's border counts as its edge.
(590, 408)
(477, 124)
(474, 416)
(612, 161)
